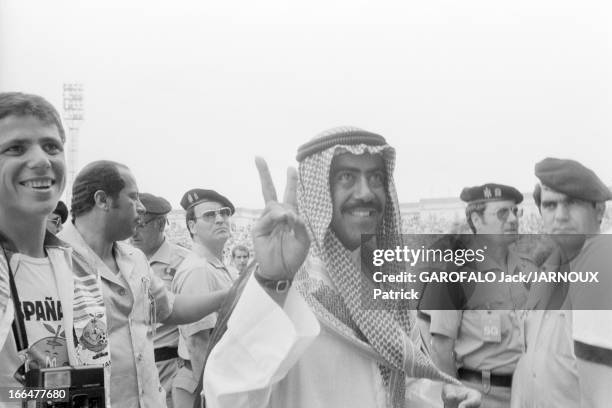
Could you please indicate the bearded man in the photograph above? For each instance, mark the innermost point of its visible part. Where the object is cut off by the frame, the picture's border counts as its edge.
(301, 334)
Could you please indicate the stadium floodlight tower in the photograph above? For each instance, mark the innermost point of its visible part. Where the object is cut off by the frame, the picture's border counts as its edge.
(73, 118)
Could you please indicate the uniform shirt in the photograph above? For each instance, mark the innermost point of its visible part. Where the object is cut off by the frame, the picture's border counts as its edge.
(165, 263)
(135, 300)
(592, 302)
(199, 274)
(222, 272)
(546, 376)
(592, 306)
(489, 305)
(282, 357)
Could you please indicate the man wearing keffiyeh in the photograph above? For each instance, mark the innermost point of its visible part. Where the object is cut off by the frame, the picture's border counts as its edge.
(301, 334)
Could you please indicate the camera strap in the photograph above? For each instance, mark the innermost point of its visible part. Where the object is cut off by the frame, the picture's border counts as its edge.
(19, 330)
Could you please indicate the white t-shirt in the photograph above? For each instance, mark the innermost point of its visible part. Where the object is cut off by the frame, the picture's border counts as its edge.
(42, 311)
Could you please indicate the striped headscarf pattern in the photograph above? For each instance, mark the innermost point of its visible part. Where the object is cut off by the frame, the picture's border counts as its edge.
(343, 307)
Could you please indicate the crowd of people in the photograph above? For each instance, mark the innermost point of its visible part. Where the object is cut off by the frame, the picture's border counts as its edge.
(273, 314)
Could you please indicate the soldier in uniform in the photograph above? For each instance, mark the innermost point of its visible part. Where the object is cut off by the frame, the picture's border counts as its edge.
(568, 361)
(207, 218)
(481, 342)
(165, 259)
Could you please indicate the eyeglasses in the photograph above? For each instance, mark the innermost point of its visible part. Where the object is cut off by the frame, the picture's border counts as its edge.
(143, 223)
(211, 215)
(57, 222)
(504, 213)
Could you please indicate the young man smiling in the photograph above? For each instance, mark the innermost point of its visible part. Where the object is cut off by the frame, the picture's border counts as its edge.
(54, 306)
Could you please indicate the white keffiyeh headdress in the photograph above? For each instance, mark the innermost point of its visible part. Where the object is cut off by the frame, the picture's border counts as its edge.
(343, 307)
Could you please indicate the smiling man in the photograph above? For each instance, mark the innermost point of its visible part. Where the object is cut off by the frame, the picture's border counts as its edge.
(301, 334)
(207, 218)
(106, 210)
(54, 305)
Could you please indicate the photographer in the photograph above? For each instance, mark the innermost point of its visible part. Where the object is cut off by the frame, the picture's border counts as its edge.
(50, 315)
(106, 210)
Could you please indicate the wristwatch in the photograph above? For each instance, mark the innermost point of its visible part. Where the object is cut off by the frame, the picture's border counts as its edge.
(279, 286)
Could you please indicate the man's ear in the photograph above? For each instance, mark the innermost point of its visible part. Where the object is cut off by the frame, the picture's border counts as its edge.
(476, 220)
(161, 224)
(600, 210)
(191, 226)
(102, 200)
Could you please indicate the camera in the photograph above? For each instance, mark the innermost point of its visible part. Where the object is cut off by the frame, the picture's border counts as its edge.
(75, 387)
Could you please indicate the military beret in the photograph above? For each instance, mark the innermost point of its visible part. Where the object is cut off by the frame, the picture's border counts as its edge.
(491, 192)
(155, 205)
(572, 178)
(338, 136)
(199, 195)
(61, 210)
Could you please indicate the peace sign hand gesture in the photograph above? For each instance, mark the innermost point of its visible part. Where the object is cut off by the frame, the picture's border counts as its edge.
(280, 237)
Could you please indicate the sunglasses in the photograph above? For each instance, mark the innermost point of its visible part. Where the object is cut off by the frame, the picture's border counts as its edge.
(57, 222)
(224, 212)
(504, 213)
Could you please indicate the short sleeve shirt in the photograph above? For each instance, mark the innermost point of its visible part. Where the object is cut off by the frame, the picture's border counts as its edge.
(198, 276)
(496, 303)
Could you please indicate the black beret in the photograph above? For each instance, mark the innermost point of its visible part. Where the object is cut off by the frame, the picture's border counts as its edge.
(572, 178)
(155, 205)
(199, 195)
(61, 210)
(491, 192)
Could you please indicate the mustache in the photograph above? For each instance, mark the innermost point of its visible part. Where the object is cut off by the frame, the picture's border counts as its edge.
(373, 204)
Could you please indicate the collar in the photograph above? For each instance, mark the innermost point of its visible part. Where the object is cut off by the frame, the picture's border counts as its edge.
(121, 252)
(50, 241)
(204, 252)
(163, 253)
(74, 237)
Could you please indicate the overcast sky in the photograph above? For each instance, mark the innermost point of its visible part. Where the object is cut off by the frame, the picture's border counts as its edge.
(187, 92)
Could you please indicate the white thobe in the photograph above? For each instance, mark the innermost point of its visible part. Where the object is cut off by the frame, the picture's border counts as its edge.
(282, 357)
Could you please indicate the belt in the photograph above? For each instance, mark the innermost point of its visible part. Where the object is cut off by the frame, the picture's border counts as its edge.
(473, 375)
(165, 353)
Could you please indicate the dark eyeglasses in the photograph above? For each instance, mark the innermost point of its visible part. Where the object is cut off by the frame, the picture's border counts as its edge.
(57, 222)
(211, 215)
(504, 213)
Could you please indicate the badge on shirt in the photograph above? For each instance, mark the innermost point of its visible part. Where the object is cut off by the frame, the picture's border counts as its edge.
(150, 306)
(169, 273)
(491, 327)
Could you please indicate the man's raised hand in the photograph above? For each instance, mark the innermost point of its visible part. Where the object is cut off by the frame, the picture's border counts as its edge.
(280, 237)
